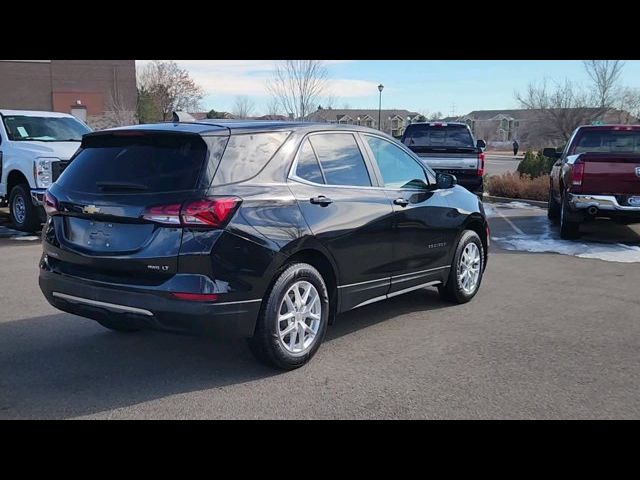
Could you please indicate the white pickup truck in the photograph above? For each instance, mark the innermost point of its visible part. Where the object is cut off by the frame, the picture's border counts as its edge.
(35, 148)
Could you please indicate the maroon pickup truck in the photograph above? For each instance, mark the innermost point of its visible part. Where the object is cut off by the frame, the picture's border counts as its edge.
(597, 175)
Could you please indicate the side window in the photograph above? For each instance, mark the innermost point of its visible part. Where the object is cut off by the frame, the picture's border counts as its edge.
(341, 160)
(308, 167)
(398, 169)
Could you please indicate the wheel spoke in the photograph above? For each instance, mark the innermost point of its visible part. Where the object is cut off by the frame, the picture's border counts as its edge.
(290, 305)
(300, 336)
(288, 329)
(292, 339)
(298, 298)
(286, 316)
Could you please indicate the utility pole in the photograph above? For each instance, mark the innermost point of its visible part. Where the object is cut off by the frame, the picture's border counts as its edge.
(453, 109)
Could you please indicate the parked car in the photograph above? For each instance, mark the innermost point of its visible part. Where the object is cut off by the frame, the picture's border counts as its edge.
(449, 147)
(35, 148)
(265, 230)
(596, 176)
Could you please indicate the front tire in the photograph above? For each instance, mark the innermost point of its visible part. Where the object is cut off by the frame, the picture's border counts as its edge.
(467, 269)
(293, 319)
(24, 214)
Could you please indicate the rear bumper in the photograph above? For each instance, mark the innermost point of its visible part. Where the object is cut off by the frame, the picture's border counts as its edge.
(607, 203)
(151, 310)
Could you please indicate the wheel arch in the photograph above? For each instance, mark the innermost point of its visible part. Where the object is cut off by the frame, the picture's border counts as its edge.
(15, 177)
(322, 262)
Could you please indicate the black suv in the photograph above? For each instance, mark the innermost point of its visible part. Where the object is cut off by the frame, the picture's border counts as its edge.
(265, 230)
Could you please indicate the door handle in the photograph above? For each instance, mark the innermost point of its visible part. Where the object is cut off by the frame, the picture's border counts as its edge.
(403, 202)
(321, 200)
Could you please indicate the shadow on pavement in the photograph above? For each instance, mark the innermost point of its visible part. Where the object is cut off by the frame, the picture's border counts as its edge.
(61, 366)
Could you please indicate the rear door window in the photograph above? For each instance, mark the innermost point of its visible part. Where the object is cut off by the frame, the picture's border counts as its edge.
(246, 155)
(341, 160)
(136, 162)
(308, 167)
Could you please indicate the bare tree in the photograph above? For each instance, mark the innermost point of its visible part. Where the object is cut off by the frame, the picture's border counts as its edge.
(169, 88)
(243, 107)
(627, 104)
(298, 84)
(561, 108)
(118, 112)
(330, 101)
(435, 116)
(605, 75)
(273, 107)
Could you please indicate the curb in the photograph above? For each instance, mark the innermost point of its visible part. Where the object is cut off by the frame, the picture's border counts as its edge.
(492, 199)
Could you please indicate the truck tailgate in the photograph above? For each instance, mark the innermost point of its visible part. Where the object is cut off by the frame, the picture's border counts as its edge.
(611, 173)
(450, 161)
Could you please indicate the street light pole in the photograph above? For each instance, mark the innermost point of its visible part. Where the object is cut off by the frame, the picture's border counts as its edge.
(380, 87)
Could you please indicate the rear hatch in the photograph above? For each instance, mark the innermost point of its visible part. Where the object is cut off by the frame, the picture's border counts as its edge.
(611, 159)
(443, 146)
(105, 198)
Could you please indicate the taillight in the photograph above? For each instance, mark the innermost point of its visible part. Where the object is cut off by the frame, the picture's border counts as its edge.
(50, 204)
(212, 212)
(577, 173)
(481, 164)
(169, 214)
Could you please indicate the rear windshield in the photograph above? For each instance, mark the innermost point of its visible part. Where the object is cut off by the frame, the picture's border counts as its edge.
(608, 141)
(129, 164)
(425, 135)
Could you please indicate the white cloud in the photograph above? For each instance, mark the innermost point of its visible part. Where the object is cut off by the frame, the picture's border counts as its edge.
(249, 77)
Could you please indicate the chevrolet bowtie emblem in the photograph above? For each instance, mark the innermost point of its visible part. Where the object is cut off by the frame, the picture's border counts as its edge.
(90, 209)
(637, 171)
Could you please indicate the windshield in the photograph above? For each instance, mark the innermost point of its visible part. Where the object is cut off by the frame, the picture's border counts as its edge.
(44, 129)
(426, 135)
(609, 141)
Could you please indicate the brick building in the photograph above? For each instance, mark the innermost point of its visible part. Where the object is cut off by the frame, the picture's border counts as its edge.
(101, 92)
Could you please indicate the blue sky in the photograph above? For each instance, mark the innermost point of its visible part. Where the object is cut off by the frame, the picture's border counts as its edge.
(426, 86)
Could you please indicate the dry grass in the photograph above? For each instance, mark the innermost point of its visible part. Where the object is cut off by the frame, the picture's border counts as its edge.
(514, 185)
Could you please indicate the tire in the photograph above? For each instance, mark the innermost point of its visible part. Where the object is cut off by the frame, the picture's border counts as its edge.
(118, 326)
(24, 214)
(455, 290)
(553, 208)
(568, 230)
(270, 343)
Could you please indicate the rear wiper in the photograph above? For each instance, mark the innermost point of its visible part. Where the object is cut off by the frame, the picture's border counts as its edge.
(121, 186)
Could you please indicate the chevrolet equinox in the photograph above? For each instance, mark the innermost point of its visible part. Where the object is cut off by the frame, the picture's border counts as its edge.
(264, 230)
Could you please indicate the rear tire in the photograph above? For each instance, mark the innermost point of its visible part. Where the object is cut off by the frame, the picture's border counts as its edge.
(553, 208)
(291, 326)
(568, 230)
(469, 253)
(24, 214)
(117, 326)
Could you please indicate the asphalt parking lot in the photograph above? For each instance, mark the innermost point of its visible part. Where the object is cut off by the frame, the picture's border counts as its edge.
(548, 336)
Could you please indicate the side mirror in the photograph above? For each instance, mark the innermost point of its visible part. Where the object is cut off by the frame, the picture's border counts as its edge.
(481, 144)
(446, 180)
(551, 153)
